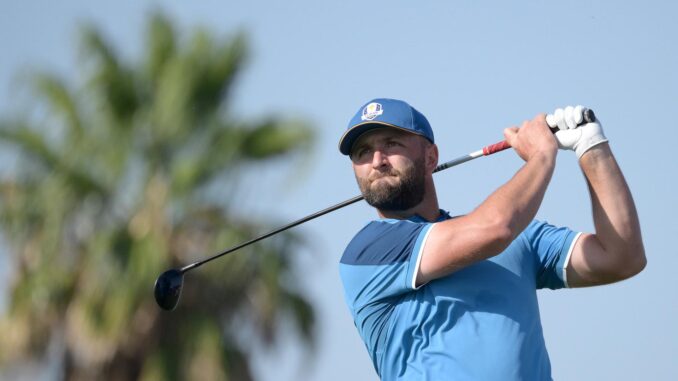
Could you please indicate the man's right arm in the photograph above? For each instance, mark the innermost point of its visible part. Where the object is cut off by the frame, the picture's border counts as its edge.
(492, 226)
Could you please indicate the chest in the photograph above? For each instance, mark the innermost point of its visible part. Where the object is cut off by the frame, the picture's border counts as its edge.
(503, 284)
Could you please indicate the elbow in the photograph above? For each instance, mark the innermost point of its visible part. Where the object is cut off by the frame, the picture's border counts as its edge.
(496, 231)
(632, 263)
(505, 236)
(635, 258)
(637, 264)
(500, 237)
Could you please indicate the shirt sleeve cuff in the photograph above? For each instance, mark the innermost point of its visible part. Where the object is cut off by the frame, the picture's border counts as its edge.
(415, 258)
(572, 238)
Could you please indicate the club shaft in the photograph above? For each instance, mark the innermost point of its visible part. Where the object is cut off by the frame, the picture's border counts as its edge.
(276, 231)
(486, 151)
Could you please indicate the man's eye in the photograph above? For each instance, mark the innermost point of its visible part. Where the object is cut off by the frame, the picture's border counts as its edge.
(361, 152)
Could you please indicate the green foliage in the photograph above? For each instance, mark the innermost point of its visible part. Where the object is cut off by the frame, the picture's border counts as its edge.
(111, 191)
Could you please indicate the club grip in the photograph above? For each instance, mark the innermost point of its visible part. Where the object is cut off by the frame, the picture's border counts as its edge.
(496, 147)
(588, 117)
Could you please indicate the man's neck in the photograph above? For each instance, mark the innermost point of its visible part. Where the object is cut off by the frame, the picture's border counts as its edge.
(427, 209)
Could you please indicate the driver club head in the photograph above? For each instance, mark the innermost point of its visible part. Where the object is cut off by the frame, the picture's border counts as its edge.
(168, 289)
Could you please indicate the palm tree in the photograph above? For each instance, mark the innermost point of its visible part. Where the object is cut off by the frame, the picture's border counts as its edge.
(134, 171)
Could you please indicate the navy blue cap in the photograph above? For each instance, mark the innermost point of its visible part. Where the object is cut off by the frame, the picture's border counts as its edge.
(384, 112)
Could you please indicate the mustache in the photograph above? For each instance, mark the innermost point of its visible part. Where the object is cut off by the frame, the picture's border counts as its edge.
(379, 175)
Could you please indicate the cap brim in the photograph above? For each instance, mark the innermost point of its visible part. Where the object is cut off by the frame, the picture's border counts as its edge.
(351, 135)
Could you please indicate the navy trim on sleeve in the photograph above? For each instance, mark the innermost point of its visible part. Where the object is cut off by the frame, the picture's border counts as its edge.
(383, 242)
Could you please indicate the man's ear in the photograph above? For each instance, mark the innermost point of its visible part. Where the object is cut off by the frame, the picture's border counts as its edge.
(431, 152)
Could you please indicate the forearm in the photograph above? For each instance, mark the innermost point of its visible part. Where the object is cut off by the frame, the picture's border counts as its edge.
(614, 212)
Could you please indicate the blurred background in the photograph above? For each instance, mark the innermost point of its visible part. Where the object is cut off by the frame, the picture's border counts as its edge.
(139, 136)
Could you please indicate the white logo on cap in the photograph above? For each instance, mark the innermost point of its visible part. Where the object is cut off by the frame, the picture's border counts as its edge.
(372, 111)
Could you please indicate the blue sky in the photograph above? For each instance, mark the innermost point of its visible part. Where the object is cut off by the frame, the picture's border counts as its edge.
(473, 68)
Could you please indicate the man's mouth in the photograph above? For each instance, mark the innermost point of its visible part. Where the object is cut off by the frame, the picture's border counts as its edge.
(383, 177)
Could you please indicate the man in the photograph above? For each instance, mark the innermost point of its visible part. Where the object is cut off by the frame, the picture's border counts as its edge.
(441, 298)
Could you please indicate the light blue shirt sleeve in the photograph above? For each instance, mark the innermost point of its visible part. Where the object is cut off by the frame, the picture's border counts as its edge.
(377, 269)
(381, 261)
(551, 247)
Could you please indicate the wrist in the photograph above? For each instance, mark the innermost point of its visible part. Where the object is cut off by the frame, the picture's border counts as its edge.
(595, 154)
(545, 156)
(589, 144)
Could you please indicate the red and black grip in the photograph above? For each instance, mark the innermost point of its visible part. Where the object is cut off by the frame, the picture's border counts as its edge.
(493, 148)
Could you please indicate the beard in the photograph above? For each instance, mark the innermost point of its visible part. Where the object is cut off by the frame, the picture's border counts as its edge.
(407, 193)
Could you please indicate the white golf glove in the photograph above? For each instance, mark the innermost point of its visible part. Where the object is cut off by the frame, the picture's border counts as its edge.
(571, 135)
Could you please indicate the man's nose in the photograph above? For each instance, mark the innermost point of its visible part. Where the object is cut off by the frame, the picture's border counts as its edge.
(378, 159)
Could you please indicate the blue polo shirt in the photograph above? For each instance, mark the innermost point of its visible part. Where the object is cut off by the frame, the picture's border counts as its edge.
(478, 323)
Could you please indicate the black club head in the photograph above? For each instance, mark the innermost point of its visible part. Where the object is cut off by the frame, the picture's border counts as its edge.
(168, 289)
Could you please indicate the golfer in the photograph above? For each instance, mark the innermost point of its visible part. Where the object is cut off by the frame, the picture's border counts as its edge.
(436, 297)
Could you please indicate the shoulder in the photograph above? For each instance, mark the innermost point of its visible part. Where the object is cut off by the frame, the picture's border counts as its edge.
(535, 226)
(548, 241)
(538, 230)
(384, 242)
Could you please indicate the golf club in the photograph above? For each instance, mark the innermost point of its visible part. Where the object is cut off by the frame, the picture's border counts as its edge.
(169, 284)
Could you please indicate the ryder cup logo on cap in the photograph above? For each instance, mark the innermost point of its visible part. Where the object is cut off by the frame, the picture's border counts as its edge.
(384, 113)
(372, 111)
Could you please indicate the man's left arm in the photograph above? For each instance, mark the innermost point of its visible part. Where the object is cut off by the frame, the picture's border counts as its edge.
(615, 252)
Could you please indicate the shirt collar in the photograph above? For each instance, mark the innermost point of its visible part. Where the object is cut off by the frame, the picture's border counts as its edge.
(444, 215)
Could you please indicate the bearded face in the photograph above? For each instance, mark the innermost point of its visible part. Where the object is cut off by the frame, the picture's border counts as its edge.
(406, 192)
